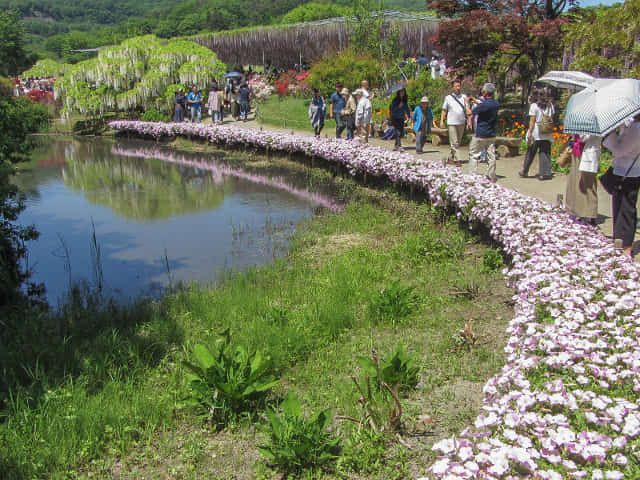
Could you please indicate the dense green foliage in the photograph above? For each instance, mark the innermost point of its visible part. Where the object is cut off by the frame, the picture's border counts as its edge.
(18, 118)
(398, 371)
(349, 67)
(313, 11)
(13, 58)
(604, 40)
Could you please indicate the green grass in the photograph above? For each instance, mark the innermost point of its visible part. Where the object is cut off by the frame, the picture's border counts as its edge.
(102, 386)
(291, 112)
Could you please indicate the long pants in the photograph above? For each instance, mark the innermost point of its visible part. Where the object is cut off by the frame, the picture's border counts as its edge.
(624, 211)
(421, 138)
(178, 115)
(398, 131)
(363, 132)
(340, 124)
(475, 152)
(544, 158)
(244, 110)
(196, 111)
(455, 137)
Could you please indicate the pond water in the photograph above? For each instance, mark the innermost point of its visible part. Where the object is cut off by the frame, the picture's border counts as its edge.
(132, 217)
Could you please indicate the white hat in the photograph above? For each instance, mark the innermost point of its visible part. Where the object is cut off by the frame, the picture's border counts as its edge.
(424, 99)
(358, 91)
(345, 91)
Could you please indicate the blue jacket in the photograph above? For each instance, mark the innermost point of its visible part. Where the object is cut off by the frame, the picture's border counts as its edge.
(417, 118)
(487, 113)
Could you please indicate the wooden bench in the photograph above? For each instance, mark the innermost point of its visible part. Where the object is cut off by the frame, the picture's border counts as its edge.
(505, 146)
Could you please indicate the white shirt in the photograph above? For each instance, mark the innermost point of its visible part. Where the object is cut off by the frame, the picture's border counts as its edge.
(590, 159)
(455, 111)
(539, 113)
(625, 148)
(365, 92)
(363, 111)
(435, 69)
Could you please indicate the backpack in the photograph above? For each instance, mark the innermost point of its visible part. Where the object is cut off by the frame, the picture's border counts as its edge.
(546, 124)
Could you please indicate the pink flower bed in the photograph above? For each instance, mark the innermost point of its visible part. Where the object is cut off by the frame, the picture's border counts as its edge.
(565, 405)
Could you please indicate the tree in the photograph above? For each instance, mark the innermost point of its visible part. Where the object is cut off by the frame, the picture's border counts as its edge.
(498, 37)
(13, 57)
(604, 40)
(313, 11)
(18, 117)
(370, 35)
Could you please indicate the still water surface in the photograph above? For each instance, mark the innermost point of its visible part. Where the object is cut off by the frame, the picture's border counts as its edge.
(157, 216)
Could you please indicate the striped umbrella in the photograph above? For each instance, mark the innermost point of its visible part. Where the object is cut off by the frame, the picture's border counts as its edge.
(567, 79)
(602, 107)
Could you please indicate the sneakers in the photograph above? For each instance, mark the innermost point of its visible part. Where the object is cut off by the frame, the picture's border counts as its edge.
(522, 174)
(545, 177)
(452, 162)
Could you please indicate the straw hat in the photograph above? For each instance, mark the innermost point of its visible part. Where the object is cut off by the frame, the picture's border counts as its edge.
(424, 99)
(345, 91)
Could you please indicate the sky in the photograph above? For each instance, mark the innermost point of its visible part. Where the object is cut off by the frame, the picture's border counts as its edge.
(590, 3)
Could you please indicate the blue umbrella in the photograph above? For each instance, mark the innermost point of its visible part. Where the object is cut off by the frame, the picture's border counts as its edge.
(602, 107)
(233, 75)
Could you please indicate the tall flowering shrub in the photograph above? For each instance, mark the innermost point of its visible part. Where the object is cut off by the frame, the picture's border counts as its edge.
(566, 404)
(260, 88)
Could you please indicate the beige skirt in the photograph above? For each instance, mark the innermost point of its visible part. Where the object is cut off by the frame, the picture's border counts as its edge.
(581, 198)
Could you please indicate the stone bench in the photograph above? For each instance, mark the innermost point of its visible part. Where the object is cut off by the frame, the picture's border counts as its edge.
(505, 146)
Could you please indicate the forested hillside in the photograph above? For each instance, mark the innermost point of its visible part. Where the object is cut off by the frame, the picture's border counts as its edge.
(55, 27)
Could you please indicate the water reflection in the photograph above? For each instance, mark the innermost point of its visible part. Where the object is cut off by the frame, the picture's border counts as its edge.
(147, 206)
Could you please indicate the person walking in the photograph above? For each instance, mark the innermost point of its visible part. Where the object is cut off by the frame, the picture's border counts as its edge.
(581, 195)
(214, 105)
(195, 101)
(422, 119)
(363, 115)
(539, 135)
(336, 105)
(348, 114)
(179, 103)
(244, 100)
(235, 106)
(399, 113)
(485, 135)
(625, 146)
(455, 114)
(317, 112)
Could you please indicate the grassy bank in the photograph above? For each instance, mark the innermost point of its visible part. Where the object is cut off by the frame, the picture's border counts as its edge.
(290, 112)
(103, 386)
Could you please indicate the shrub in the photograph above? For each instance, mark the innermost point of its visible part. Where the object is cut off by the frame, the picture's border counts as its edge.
(229, 382)
(436, 90)
(348, 68)
(296, 443)
(153, 115)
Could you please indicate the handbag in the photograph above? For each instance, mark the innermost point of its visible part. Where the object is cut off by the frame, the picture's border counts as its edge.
(564, 158)
(612, 182)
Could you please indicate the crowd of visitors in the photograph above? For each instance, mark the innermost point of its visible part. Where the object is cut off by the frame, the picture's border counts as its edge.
(233, 98)
(38, 89)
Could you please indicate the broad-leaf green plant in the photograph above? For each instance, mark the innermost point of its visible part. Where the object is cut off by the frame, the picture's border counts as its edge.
(296, 443)
(399, 370)
(229, 382)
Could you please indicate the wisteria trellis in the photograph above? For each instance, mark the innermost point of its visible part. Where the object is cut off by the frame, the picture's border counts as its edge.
(565, 405)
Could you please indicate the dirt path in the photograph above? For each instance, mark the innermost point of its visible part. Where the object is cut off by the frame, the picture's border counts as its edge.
(507, 170)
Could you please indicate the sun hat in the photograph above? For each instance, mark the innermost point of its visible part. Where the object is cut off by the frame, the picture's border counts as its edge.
(345, 91)
(424, 99)
(358, 91)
